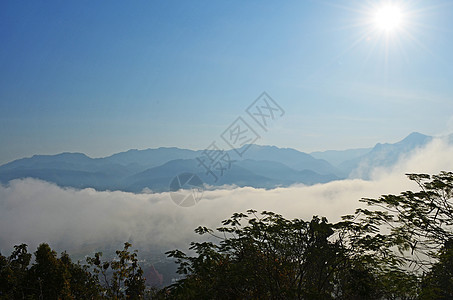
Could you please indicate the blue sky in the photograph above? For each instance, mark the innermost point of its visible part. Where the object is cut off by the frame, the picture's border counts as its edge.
(104, 77)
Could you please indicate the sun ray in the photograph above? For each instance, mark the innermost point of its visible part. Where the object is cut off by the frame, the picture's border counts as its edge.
(385, 32)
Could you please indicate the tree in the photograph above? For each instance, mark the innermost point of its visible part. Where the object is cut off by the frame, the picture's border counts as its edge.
(272, 257)
(394, 249)
(122, 277)
(50, 278)
(83, 284)
(420, 222)
(438, 282)
(13, 273)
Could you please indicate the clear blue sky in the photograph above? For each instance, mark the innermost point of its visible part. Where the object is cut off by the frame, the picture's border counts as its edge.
(103, 77)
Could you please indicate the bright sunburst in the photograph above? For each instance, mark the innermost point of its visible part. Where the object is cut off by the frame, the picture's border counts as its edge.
(388, 18)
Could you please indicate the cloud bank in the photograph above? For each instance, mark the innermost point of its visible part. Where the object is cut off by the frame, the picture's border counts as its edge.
(33, 211)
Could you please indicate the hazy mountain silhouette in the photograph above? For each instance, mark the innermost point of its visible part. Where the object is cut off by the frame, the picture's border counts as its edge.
(383, 155)
(278, 171)
(259, 166)
(144, 159)
(336, 157)
(158, 178)
(289, 157)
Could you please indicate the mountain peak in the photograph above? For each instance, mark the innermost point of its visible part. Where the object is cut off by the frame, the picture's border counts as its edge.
(415, 137)
(415, 134)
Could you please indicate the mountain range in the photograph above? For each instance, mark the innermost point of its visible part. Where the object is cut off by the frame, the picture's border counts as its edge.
(260, 166)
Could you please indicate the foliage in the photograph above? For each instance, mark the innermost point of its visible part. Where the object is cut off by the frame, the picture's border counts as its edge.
(52, 277)
(383, 252)
(49, 277)
(438, 282)
(122, 277)
(272, 257)
(420, 221)
(13, 273)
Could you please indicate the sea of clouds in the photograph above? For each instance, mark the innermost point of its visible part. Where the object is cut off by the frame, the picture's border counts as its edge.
(34, 211)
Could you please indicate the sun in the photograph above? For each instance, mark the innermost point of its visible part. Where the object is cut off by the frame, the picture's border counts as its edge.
(388, 18)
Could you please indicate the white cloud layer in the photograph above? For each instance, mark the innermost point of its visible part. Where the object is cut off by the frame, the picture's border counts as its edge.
(34, 211)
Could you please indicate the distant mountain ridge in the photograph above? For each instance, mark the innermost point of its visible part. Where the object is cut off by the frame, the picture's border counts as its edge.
(136, 170)
(383, 155)
(260, 166)
(336, 157)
